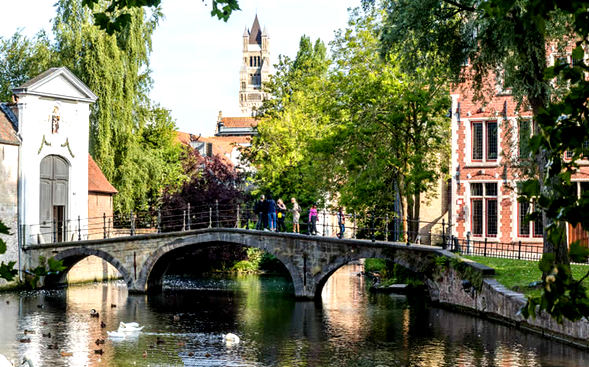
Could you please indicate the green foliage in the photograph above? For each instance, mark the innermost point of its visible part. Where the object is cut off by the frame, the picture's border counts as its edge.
(131, 139)
(372, 265)
(7, 271)
(45, 268)
(115, 18)
(21, 59)
(252, 263)
(290, 123)
(391, 132)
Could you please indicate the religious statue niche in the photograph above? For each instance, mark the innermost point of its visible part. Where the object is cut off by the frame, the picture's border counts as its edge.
(55, 119)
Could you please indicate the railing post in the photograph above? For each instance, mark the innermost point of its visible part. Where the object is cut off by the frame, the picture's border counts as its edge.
(247, 218)
(468, 243)
(217, 211)
(65, 229)
(104, 224)
(54, 231)
(188, 219)
(183, 220)
(238, 222)
(110, 227)
(210, 217)
(519, 250)
(354, 228)
(485, 252)
(132, 223)
(386, 228)
(372, 225)
(324, 223)
(79, 229)
(159, 221)
(444, 245)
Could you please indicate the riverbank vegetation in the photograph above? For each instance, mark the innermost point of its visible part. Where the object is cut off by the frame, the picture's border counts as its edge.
(521, 275)
(389, 273)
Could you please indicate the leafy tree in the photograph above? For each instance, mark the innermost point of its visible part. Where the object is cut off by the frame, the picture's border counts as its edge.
(131, 140)
(391, 132)
(212, 184)
(21, 59)
(511, 42)
(290, 122)
(116, 16)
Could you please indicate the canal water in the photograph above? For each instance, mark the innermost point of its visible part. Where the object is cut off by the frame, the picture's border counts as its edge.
(184, 327)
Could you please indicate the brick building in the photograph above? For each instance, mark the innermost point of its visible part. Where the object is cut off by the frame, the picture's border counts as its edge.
(485, 136)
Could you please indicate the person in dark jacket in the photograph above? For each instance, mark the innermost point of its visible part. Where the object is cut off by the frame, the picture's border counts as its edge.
(259, 209)
(272, 213)
(280, 216)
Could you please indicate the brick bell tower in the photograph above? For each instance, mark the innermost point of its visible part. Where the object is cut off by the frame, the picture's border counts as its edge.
(255, 68)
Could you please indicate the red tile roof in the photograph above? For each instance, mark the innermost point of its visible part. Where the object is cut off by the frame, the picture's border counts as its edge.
(7, 132)
(97, 182)
(239, 121)
(220, 147)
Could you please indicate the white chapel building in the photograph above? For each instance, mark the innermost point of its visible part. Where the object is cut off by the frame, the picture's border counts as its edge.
(44, 170)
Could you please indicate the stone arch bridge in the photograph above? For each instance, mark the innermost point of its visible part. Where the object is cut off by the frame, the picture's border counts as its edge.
(142, 260)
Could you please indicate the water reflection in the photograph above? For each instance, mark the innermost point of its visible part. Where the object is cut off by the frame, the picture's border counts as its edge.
(349, 327)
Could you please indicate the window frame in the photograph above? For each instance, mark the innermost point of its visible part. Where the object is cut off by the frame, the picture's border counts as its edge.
(485, 198)
(532, 225)
(485, 145)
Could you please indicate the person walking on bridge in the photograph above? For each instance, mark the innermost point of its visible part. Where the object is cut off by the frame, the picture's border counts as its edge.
(296, 215)
(280, 214)
(272, 213)
(313, 220)
(259, 208)
(341, 222)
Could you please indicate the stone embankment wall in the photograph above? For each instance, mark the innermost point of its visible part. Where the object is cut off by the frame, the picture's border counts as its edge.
(9, 202)
(495, 302)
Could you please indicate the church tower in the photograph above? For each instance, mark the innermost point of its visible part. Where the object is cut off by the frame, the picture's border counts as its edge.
(255, 68)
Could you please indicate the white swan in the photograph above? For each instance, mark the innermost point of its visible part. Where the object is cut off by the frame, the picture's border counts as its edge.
(28, 360)
(231, 338)
(128, 324)
(130, 327)
(4, 362)
(116, 334)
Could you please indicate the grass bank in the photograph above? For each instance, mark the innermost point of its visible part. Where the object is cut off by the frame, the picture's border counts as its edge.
(521, 275)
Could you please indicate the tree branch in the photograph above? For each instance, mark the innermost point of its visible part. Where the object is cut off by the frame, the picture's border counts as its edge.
(460, 6)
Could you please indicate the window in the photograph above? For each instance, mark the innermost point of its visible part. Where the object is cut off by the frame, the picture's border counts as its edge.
(484, 209)
(527, 228)
(242, 85)
(525, 133)
(485, 141)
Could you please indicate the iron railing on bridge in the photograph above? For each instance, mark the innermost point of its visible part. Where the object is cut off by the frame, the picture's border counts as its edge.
(232, 215)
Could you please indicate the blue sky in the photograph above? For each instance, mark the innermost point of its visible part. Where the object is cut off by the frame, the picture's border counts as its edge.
(195, 59)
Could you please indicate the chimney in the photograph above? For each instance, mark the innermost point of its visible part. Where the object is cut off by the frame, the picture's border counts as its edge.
(220, 116)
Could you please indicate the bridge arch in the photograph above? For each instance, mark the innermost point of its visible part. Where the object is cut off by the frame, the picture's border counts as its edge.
(150, 277)
(72, 256)
(321, 278)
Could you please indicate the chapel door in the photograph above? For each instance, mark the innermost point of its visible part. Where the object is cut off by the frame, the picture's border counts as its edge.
(53, 197)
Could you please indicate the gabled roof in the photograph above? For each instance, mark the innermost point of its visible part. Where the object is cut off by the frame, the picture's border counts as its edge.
(239, 122)
(256, 33)
(97, 182)
(7, 125)
(65, 77)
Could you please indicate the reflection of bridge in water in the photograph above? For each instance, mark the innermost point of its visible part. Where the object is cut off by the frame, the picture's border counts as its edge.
(143, 260)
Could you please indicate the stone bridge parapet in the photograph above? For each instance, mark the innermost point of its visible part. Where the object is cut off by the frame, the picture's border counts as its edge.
(144, 259)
